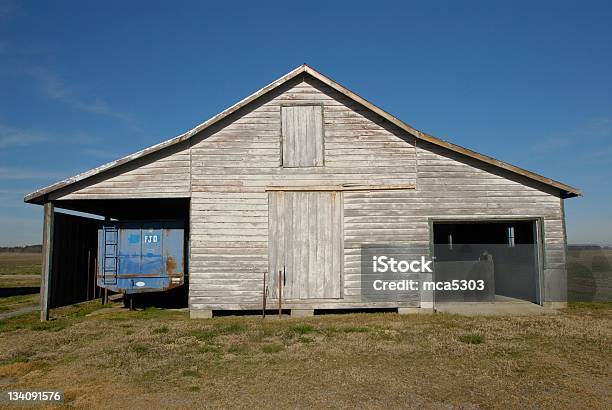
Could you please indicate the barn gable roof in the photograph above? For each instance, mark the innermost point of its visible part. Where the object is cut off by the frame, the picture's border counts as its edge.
(567, 191)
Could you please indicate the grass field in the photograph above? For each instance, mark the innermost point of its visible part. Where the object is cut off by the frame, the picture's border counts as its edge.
(111, 357)
(19, 275)
(20, 263)
(160, 358)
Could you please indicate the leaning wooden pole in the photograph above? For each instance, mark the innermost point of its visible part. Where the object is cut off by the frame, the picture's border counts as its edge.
(280, 294)
(47, 261)
(263, 302)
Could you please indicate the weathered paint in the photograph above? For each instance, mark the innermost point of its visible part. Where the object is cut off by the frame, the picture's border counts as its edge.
(42, 195)
(141, 256)
(305, 242)
(394, 180)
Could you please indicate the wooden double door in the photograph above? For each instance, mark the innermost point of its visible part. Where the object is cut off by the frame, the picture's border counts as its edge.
(305, 244)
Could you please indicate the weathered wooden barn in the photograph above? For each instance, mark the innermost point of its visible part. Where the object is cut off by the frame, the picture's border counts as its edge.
(299, 177)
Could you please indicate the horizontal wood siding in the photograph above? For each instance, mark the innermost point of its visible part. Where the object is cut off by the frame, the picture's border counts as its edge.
(226, 168)
(451, 187)
(164, 174)
(380, 217)
(233, 166)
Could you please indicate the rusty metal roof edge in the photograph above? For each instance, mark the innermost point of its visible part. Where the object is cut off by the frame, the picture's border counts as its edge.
(566, 190)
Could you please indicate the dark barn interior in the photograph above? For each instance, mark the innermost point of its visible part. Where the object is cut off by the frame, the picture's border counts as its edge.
(74, 246)
(512, 246)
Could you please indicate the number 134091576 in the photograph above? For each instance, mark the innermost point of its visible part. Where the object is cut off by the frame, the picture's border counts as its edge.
(33, 396)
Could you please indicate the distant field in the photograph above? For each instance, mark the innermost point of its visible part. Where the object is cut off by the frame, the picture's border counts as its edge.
(589, 274)
(20, 263)
(19, 278)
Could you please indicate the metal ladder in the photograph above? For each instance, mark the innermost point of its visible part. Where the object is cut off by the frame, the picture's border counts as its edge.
(111, 242)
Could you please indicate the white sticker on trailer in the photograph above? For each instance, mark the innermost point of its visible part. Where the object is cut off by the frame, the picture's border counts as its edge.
(139, 283)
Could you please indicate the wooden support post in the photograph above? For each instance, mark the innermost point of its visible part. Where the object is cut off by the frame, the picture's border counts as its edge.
(47, 261)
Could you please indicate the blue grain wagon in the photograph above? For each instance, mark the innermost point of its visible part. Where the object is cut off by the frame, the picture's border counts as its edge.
(138, 257)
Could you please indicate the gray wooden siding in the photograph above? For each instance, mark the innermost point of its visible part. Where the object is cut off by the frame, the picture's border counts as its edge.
(305, 244)
(164, 174)
(450, 189)
(226, 169)
(379, 217)
(302, 136)
(233, 166)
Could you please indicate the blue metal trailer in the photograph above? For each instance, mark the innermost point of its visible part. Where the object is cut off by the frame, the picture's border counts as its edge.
(141, 256)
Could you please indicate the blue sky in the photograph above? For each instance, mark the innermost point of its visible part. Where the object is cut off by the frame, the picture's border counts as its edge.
(83, 83)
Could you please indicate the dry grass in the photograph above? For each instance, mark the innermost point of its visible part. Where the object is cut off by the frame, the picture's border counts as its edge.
(20, 263)
(10, 303)
(158, 358)
(19, 271)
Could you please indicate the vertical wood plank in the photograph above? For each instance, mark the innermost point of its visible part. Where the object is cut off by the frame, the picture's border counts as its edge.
(297, 134)
(303, 238)
(308, 159)
(302, 129)
(321, 222)
(313, 269)
(294, 139)
(280, 233)
(328, 227)
(337, 246)
(273, 243)
(298, 242)
(47, 261)
(289, 255)
(284, 138)
(329, 268)
(318, 135)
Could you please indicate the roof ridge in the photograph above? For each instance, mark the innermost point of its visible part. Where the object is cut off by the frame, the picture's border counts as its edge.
(566, 190)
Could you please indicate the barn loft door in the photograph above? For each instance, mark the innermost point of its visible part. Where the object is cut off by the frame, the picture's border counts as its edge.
(302, 134)
(306, 243)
